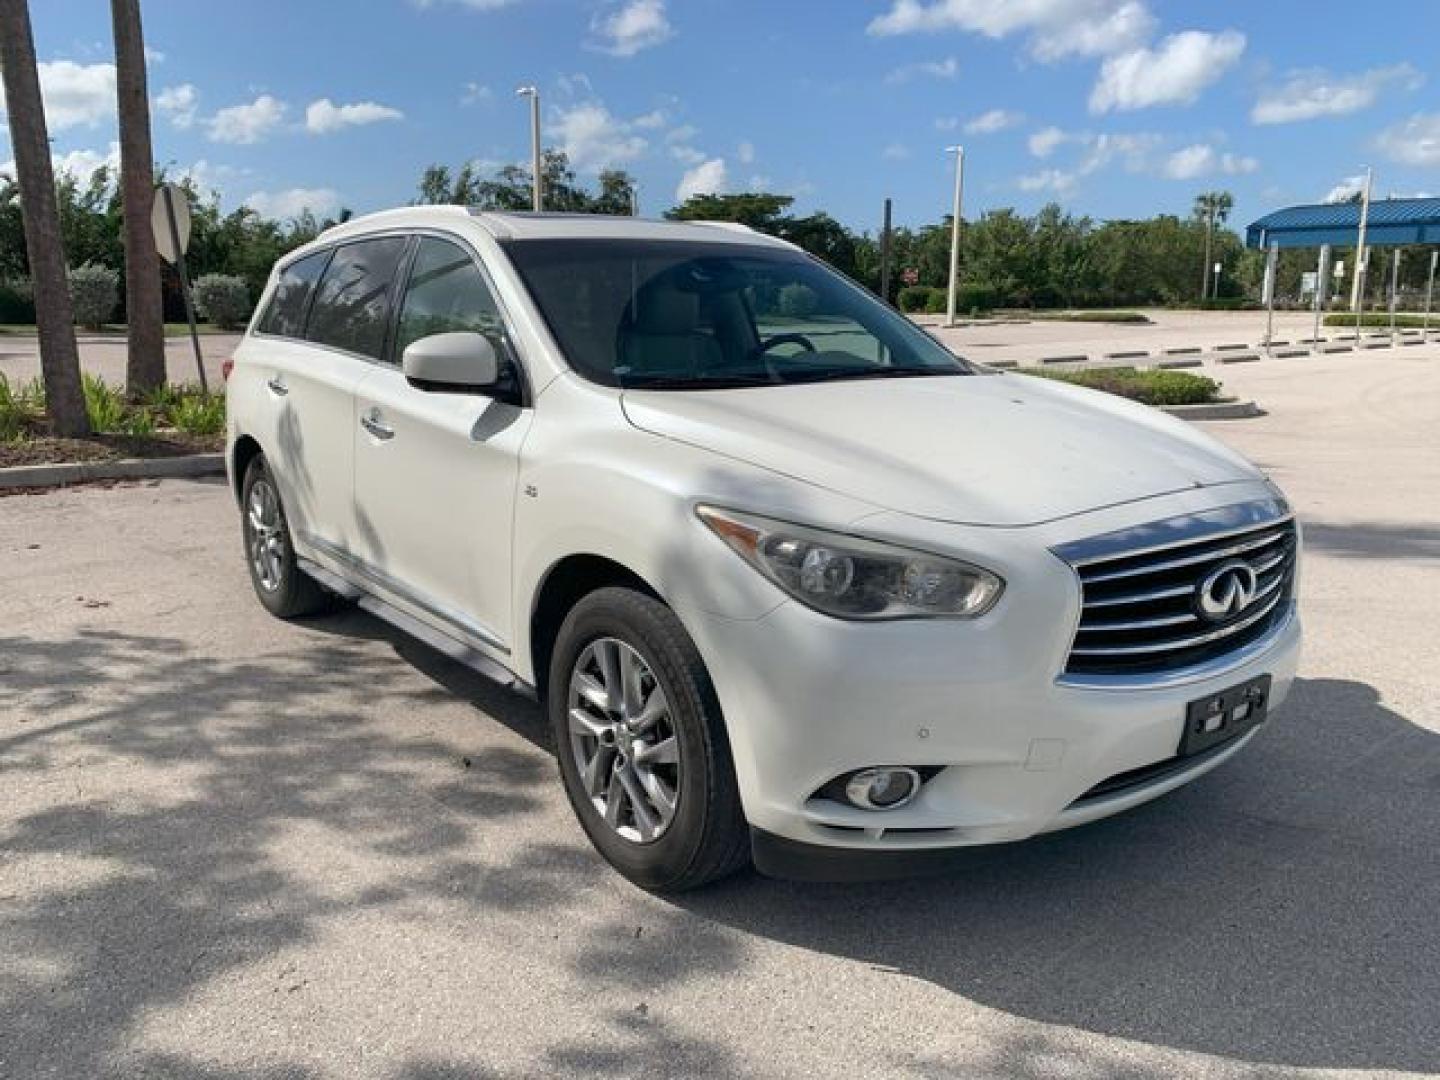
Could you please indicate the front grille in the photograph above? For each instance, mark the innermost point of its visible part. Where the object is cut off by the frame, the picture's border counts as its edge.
(1142, 610)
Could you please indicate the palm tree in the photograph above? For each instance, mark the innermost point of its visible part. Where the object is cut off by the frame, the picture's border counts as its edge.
(145, 321)
(59, 357)
(1210, 207)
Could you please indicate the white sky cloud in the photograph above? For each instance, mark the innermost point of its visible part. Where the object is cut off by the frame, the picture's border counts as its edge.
(292, 202)
(1202, 159)
(1346, 189)
(473, 93)
(1174, 72)
(1042, 143)
(895, 152)
(987, 123)
(1306, 95)
(75, 95)
(179, 104)
(1059, 181)
(324, 116)
(687, 155)
(925, 69)
(246, 124)
(1413, 142)
(650, 121)
(474, 5)
(593, 139)
(707, 178)
(636, 25)
(1054, 28)
(683, 133)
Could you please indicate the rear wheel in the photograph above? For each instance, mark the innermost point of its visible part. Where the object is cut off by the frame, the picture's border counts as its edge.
(280, 584)
(641, 743)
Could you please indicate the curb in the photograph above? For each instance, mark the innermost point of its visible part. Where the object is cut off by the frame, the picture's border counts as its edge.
(1220, 410)
(84, 472)
(1179, 362)
(1237, 358)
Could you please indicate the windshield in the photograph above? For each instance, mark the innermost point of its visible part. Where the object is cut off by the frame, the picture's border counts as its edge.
(682, 315)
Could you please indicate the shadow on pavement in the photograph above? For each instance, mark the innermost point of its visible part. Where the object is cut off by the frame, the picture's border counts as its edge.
(1281, 910)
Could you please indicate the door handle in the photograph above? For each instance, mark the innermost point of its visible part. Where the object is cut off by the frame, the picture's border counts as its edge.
(277, 386)
(372, 423)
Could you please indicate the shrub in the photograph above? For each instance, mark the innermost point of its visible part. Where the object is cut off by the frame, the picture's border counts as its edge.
(222, 299)
(94, 291)
(798, 301)
(19, 408)
(937, 303)
(914, 298)
(17, 301)
(1381, 320)
(976, 298)
(1147, 387)
(199, 414)
(104, 405)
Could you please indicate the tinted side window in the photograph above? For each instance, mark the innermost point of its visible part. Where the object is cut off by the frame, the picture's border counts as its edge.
(285, 314)
(352, 302)
(447, 292)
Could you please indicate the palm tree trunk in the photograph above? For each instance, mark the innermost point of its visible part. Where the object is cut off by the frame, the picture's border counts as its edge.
(59, 357)
(145, 362)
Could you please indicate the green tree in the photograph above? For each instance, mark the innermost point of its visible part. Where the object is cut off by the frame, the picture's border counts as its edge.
(144, 319)
(510, 188)
(758, 210)
(59, 357)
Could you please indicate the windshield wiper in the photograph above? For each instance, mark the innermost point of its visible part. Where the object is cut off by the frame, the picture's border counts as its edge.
(681, 382)
(877, 372)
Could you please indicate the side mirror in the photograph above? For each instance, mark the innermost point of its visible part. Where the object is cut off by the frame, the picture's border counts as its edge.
(462, 360)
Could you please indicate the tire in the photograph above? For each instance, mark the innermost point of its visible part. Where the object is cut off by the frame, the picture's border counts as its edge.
(281, 586)
(705, 837)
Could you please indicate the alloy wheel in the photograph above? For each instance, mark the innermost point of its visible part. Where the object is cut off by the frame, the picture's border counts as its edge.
(267, 535)
(623, 740)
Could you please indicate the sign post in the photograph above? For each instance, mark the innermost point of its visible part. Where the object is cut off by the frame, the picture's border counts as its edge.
(1322, 286)
(170, 221)
(1272, 262)
(1394, 291)
(1430, 291)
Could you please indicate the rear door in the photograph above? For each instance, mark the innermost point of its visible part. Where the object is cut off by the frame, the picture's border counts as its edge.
(310, 385)
(435, 470)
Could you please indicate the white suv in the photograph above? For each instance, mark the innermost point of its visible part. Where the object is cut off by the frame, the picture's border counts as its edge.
(794, 583)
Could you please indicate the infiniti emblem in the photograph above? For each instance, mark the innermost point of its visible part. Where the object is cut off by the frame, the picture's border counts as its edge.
(1227, 590)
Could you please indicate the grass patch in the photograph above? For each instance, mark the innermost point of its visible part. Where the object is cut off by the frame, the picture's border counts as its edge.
(1147, 387)
(1129, 317)
(183, 409)
(1380, 320)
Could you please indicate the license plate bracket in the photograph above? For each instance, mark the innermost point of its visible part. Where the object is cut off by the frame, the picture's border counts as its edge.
(1218, 718)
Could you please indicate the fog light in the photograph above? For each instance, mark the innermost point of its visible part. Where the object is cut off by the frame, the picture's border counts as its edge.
(882, 788)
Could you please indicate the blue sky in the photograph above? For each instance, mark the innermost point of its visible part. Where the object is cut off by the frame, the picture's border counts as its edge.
(1114, 108)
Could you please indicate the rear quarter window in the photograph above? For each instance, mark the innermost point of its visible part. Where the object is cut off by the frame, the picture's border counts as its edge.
(352, 302)
(284, 315)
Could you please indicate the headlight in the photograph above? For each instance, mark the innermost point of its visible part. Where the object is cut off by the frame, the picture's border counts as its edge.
(852, 578)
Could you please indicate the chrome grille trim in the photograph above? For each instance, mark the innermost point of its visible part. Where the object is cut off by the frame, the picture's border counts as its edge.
(1179, 643)
(1140, 623)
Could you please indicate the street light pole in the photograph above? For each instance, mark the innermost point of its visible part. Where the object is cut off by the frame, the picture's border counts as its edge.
(1430, 292)
(533, 93)
(959, 152)
(1394, 291)
(1357, 295)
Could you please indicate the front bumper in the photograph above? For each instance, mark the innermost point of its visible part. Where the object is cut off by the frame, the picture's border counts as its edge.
(808, 698)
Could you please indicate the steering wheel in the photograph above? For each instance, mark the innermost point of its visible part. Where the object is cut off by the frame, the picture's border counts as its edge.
(766, 344)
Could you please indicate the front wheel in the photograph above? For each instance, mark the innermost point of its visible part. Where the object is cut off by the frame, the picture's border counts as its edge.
(641, 742)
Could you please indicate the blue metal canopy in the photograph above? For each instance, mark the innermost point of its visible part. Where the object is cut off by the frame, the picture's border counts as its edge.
(1392, 222)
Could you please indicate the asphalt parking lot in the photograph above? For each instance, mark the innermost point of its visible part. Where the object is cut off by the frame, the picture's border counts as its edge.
(235, 848)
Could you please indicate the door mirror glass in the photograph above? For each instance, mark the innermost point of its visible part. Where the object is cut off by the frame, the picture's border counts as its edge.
(461, 360)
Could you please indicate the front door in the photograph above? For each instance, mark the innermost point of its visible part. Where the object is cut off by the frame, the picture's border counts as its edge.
(436, 470)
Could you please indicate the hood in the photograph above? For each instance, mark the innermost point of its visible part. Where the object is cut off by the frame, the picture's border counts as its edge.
(982, 449)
